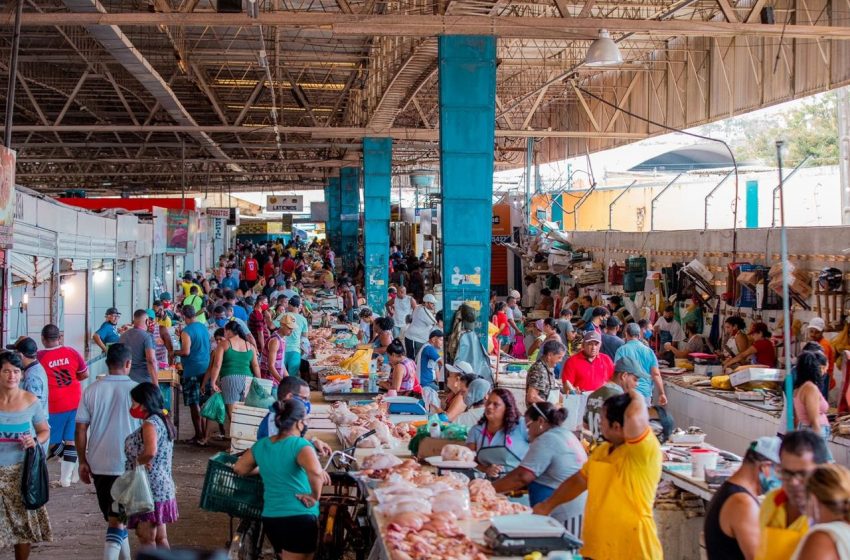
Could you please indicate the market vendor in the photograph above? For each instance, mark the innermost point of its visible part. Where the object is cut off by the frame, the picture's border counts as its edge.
(403, 379)
(554, 455)
(782, 517)
(695, 343)
(458, 378)
(736, 337)
(475, 398)
(761, 351)
(542, 383)
(621, 478)
(668, 329)
(500, 438)
(383, 334)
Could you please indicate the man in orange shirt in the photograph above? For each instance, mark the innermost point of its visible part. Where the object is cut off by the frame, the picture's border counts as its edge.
(816, 328)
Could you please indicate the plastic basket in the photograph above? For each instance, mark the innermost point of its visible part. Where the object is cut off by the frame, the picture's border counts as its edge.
(226, 492)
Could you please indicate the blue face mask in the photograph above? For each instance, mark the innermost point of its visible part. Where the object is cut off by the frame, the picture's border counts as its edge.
(221, 322)
(306, 403)
(768, 483)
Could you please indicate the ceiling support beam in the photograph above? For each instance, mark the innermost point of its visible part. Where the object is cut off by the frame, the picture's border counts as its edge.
(728, 11)
(71, 97)
(434, 25)
(585, 10)
(755, 12)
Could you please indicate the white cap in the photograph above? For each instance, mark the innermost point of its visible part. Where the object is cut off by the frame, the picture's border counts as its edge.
(460, 367)
(515, 294)
(429, 298)
(817, 324)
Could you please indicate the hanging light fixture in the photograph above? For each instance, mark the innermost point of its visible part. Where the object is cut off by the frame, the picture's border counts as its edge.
(603, 51)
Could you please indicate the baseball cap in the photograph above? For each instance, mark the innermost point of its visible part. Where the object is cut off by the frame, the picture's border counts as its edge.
(767, 447)
(476, 392)
(460, 367)
(437, 333)
(289, 321)
(429, 298)
(25, 345)
(295, 301)
(112, 311)
(592, 336)
(629, 365)
(612, 322)
(817, 324)
(165, 296)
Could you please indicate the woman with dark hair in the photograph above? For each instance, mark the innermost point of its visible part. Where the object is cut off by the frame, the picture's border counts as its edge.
(23, 424)
(152, 445)
(809, 405)
(736, 338)
(555, 454)
(500, 437)
(457, 382)
(383, 335)
(403, 377)
(500, 319)
(761, 351)
(234, 361)
(292, 482)
(550, 329)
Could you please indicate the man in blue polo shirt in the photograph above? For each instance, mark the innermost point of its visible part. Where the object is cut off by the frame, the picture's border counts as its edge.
(108, 332)
(645, 357)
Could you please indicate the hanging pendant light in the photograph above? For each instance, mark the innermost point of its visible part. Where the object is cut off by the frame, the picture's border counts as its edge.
(603, 51)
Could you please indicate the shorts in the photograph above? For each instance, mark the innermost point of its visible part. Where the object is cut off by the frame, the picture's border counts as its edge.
(191, 387)
(293, 363)
(233, 388)
(103, 488)
(298, 534)
(62, 426)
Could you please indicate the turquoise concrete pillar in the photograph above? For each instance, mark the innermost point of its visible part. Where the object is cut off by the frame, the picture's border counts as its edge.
(349, 219)
(467, 78)
(752, 204)
(377, 182)
(333, 224)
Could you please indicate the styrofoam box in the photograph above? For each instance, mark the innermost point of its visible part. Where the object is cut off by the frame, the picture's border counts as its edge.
(756, 374)
(704, 369)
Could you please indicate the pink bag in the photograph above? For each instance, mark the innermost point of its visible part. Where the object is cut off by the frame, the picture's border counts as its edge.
(518, 350)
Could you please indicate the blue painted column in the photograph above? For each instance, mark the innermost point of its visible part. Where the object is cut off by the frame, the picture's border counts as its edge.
(349, 190)
(377, 182)
(467, 76)
(752, 204)
(333, 224)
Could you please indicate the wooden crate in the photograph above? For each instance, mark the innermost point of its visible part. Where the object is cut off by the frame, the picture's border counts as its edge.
(245, 421)
(168, 375)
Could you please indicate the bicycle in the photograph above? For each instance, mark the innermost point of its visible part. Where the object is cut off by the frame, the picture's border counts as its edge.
(343, 517)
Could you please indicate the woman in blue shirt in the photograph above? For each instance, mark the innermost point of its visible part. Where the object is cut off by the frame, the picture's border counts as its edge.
(292, 482)
(500, 437)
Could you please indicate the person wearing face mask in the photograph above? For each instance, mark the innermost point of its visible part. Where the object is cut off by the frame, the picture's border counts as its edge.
(292, 482)
(554, 455)
(828, 489)
(152, 446)
(272, 364)
(294, 339)
(195, 356)
(782, 518)
(731, 519)
(291, 387)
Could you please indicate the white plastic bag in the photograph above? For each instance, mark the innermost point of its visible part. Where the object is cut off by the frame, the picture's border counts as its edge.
(132, 490)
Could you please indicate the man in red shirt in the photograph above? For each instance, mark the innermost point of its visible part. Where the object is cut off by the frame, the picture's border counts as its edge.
(251, 271)
(65, 368)
(589, 369)
(288, 266)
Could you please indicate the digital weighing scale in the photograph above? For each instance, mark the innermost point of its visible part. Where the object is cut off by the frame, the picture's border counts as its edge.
(517, 535)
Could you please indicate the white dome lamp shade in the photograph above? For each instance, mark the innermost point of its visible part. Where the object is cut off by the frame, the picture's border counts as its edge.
(603, 51)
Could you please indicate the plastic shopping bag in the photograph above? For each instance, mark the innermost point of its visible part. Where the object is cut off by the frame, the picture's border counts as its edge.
(132, 490)
(214, 409)
(260, 395)
(359, 362)
(35, 486)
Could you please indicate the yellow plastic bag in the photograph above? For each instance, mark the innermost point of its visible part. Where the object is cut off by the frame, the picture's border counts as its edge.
(492, 330)
(721, 382)
(359, 362)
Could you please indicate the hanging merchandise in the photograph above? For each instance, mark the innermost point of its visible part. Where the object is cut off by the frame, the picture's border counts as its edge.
(615, 274)
(670, 279)
(831, 280)
(634, 276)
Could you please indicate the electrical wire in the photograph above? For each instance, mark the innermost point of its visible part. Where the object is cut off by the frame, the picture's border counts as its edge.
(693, 135)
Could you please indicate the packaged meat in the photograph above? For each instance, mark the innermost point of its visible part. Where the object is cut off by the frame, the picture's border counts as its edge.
(405, 505)
(454, 501)
(380, 461)
(453, 452)
(341, 415)
(382, 431)
(481, 489)
(408, 520)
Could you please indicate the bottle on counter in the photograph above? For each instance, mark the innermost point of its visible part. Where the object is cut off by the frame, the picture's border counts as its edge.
(434, 430)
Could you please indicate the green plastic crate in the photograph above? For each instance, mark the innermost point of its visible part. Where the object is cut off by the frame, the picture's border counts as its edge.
(226, 492)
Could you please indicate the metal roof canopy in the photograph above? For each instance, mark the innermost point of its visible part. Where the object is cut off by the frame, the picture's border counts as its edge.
(109, 95)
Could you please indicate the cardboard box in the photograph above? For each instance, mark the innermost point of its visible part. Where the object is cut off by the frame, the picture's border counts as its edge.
(431, 447)
(801, 284)
(749, 279)
(757, 375)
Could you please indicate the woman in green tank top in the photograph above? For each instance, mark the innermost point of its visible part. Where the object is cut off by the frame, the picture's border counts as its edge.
(234, 361)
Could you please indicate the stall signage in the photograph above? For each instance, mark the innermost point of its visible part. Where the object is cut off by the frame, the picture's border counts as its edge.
(289, 203)
(218, 213)
(501, 238)
(218, 228)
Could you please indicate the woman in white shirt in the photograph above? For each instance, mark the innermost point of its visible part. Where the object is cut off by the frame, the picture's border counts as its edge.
(424, 321)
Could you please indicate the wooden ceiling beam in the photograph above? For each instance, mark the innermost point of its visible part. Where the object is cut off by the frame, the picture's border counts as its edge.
(434, 25)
